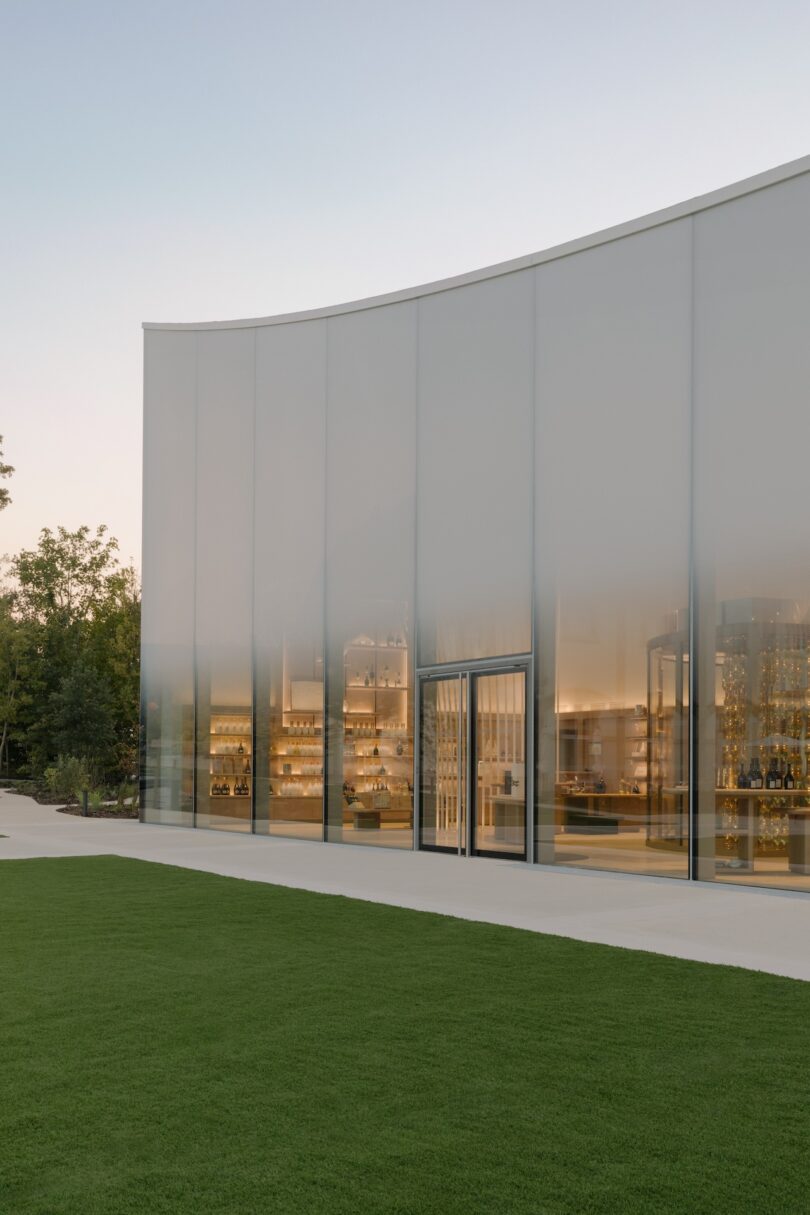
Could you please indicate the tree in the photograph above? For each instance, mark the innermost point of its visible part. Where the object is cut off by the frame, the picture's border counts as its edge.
(12, 648)
(77, 612)
(83, 718)
(68, 576)
(5, 471)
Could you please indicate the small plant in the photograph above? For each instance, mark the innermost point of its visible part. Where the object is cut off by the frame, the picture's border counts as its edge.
(95, 801)
(127, 798)
(68, 777)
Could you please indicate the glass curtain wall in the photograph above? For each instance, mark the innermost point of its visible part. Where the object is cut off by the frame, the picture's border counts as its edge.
(475, 434)
(224, 564)
(752, 367)
(167, 668)
(289, 578)
(370, 512)
(612, 554)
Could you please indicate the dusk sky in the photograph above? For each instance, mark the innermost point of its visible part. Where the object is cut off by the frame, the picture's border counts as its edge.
(197, 159)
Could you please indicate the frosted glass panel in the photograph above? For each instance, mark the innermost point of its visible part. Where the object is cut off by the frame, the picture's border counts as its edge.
(613, 415)
(289, 578)
(752, 376)
(224, 577)
(370, 574)
(167, 623)
(476, 368)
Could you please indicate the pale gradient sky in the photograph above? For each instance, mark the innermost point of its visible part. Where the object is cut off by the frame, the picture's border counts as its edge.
(200, 159)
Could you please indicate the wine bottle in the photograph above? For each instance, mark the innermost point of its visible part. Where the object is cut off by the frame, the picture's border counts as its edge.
(743, 780)
(773, 779)
(755, 775)
(790, 780)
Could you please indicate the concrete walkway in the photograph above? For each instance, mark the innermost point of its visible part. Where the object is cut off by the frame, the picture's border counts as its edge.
(761, 930)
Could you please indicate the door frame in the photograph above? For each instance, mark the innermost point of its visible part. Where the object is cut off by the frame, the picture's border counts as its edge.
(507, 664)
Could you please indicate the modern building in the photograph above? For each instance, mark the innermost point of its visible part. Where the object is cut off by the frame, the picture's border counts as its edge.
(515, 564)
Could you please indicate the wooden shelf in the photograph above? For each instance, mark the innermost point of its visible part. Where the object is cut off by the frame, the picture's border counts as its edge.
(763, 792)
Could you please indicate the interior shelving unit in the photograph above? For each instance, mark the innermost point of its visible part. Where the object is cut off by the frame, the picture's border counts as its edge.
(636, 748)
(230, 756)
(377, 741)
(296, 760)
(763, 714)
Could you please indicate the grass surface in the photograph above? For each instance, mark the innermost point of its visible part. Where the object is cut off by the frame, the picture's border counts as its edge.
(178, 1042)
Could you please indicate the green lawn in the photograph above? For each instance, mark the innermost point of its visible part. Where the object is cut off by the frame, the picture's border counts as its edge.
(178, 1042)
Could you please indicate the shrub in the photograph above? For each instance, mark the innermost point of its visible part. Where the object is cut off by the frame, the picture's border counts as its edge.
(68, 777)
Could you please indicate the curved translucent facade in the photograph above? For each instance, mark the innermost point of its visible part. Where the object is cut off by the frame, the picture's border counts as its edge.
(511, 565)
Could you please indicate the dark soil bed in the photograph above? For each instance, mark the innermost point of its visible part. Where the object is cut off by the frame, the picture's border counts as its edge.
(107, 812)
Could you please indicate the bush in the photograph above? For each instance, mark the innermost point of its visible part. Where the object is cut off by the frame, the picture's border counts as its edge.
(68, 777)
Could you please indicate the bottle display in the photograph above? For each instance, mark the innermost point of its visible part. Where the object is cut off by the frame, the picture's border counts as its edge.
(377, 739)
(229, 755)
(763, 721)
(296, 760)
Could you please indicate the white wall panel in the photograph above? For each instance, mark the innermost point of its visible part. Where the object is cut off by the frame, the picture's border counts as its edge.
(370, 451)
(167, 621)
(224, 618)
(612, 530)
(752, 382)
(476, 366)
(225, 509)
(168, 512)
(752, 389)
(289, 550)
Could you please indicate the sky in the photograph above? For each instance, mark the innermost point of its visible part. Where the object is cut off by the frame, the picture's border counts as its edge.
(189, 160)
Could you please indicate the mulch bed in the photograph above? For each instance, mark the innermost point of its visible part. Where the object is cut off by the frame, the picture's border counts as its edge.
(107, 812)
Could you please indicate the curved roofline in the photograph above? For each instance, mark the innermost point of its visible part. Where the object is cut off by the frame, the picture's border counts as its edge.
(704, 202)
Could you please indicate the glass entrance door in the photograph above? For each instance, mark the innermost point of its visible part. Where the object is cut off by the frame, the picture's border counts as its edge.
(443, 763)
(472, 773)
(499, 758)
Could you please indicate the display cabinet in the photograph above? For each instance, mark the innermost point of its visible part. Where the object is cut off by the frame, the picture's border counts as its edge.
(296, 762)
(230, 757)
(762, 800)
(377, 738)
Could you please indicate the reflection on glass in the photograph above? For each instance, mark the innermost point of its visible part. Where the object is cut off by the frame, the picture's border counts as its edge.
(168, 756)
(762, 804)
(500, 764)
(621, 788)
(443, 763)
